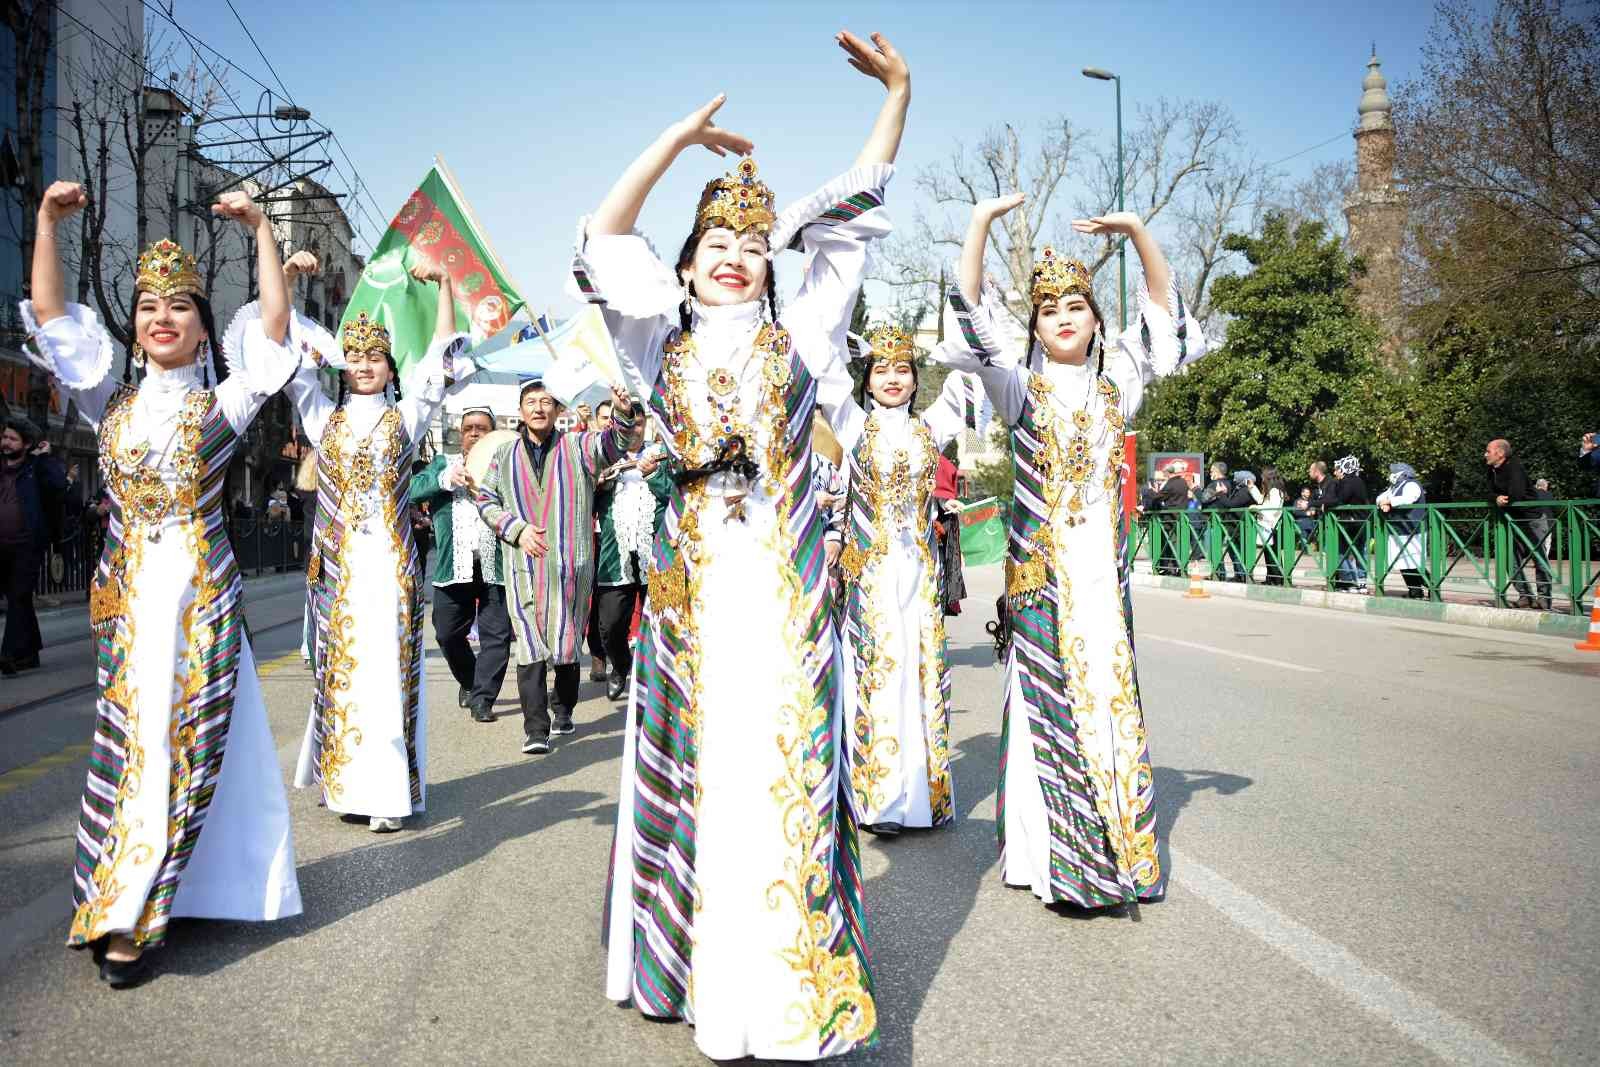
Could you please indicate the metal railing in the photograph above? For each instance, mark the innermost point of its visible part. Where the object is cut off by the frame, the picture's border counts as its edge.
(1544, 551)
(259, 546)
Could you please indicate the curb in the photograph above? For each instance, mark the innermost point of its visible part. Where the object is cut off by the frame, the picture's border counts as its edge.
(1544, 623)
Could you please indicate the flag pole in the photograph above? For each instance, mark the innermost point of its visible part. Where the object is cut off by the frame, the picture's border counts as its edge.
(541, 335)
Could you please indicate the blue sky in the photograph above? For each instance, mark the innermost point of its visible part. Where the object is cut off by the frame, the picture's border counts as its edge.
(538, 107)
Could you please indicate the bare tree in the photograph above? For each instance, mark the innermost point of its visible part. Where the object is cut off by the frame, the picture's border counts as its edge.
(1498, 135)
(1170, 145)
(1320, 196)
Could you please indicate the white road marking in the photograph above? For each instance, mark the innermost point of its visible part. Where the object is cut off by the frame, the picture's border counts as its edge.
(1447, 1037)
(1145, 635)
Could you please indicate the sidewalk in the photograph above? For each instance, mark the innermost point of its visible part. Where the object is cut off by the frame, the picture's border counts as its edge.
(68, 659)
(1454, 611)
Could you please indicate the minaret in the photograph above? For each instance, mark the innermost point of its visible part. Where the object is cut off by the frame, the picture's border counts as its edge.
(1376, 211)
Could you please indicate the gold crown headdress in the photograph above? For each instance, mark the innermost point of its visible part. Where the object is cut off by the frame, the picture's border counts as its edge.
(890, 344)
(1054, 276)
(738, 200)
(365, 335)
(165, 269)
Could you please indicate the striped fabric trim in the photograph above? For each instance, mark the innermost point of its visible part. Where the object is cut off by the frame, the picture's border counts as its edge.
(970, 331)
(206, 675)
(851, 207)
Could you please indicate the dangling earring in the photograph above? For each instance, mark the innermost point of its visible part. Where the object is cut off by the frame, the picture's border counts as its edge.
(203, 357)
(688, 296)
(138, 355)
(1097, 348)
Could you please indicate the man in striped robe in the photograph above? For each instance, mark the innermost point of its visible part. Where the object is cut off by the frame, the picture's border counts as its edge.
(538, 498)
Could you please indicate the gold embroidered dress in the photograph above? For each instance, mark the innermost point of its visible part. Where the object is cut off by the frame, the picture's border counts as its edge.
(735, 885)
(181, 739)
(896, 675)
(365, 743)
(1076, 816)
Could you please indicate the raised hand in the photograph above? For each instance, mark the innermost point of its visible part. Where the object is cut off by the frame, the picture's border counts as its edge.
(879, 59)
(1124, 222)
(238, 206)
(993, 208)
(62, 200)
(621, 402)
(302, 262)
(427, 271)
(697, 128)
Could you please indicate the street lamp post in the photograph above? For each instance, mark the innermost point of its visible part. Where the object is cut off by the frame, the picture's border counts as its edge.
(1101, 74)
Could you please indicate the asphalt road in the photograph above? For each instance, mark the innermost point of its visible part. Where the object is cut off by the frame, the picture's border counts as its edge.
(1383, 838)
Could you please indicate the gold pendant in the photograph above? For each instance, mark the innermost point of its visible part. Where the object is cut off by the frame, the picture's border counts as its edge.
(720, 381)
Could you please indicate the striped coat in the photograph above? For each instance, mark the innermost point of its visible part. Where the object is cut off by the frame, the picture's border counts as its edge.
(548, 598)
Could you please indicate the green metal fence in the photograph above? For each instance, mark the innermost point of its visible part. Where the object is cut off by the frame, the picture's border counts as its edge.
(1544, 551)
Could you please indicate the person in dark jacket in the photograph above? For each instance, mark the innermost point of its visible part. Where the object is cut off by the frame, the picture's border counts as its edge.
(1508, 485)
(1172, 500)
(1589, 456)
(1347, 490)
(31, 487)
(1214, 497)
(1242, 524)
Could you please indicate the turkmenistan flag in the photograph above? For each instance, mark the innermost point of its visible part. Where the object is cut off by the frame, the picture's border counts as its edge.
(434, 226)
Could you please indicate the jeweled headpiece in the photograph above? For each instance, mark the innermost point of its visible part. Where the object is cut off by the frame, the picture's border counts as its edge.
(738, 200)
(890, 344)
(165, 269)
(364, 334)
(1054, 276)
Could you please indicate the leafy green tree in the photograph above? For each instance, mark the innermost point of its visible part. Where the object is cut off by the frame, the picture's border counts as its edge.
(1295, 343)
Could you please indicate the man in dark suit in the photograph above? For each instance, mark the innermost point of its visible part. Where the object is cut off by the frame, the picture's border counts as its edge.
(1508, 485)
(31, 486)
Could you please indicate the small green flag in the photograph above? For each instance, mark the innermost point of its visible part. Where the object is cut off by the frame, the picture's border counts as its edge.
(435, 226)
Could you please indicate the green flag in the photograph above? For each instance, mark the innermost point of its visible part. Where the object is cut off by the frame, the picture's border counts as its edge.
(434, 226)
(983, 532)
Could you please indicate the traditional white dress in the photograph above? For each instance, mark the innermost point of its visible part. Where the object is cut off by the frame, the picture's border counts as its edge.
(1076, 818)
(366, 738)
(735, 883)
(181, 741)
(896, 675)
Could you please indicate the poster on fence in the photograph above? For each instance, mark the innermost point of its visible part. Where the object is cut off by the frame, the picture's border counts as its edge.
(1192, 465)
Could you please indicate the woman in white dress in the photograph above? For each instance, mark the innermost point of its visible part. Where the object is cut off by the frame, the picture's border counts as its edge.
(1076, 815)
(897, 679)
(735, 899)
(365, 743)
(181, 742)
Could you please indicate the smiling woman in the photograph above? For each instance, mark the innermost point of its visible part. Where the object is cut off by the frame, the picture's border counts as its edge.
(177, 682)
(735, 886)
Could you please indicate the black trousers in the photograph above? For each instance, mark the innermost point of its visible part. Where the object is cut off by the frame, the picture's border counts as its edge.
(536, 704)
(19, 571)
(455, 607)
(615, 604)
(594, 638)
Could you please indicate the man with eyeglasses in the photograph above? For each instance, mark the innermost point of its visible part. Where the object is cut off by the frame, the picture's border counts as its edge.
(538, 499)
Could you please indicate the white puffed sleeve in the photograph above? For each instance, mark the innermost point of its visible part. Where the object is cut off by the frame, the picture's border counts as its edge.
(258, 366)
(1164, 339)
(978, 348)
(444, 363)
(835, 228)
(959, 406)
(77, 352)
(637, 293)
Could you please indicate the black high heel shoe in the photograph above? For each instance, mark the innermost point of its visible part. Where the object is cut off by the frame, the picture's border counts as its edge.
(125, 974)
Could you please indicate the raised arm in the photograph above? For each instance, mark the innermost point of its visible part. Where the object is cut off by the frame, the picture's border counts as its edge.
(69, 343)
(619, 211)
(259, 362)
(880, 60)
(445, 361)
(602, 448)
(969, 272)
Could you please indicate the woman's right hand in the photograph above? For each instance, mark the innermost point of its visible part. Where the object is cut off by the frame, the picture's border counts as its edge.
(62, 200)
(987, 211)
(697, 128)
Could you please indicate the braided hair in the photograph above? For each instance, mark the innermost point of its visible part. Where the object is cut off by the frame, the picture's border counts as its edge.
(686, 256)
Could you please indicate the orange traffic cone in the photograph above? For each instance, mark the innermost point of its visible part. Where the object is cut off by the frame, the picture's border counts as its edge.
(1592, 642)
(1197, 589)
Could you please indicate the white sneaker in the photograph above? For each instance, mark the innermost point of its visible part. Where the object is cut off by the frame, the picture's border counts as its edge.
(379, 825)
